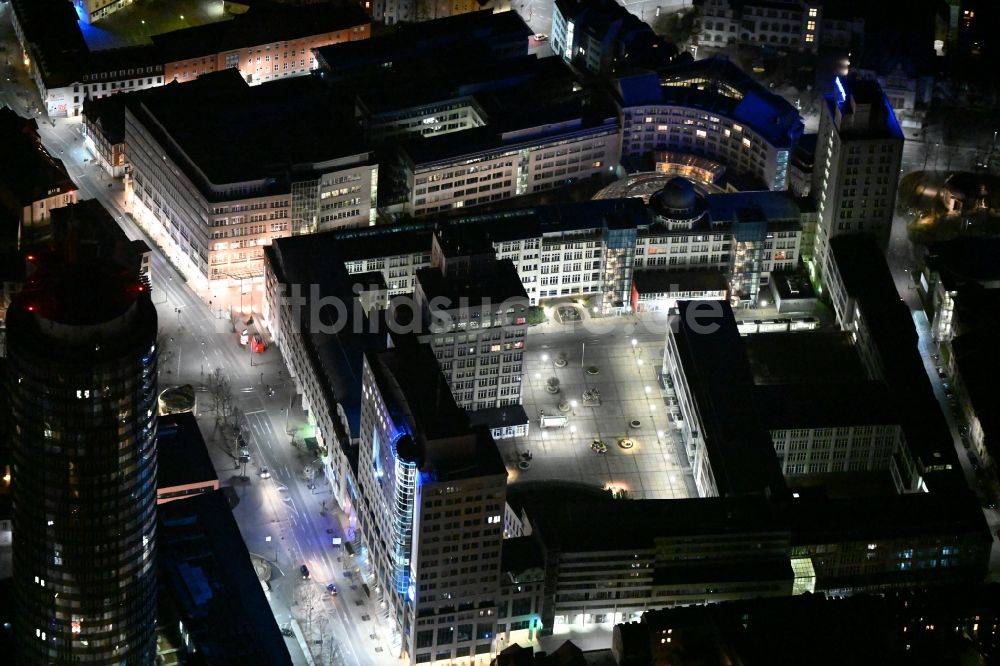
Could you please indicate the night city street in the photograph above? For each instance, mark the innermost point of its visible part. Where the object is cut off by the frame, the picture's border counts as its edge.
(318, 348)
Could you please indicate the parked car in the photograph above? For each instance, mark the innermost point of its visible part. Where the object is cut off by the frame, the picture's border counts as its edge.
(304, 570)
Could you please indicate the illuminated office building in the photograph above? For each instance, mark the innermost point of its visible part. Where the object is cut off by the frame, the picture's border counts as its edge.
(81, 376)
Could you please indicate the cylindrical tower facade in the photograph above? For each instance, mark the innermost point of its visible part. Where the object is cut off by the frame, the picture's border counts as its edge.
(81, 342)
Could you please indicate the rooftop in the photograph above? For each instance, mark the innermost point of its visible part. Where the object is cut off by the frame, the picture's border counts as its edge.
(775, 206)
(182, 457)
(637, 524)
(790, 406)
(803, 357)
(739, 449)
(966, 260)
(71, 291)
(496, 283)
(862, 109)
(498, 31)
(791, 285)
(417, 394)
(237, 142)
(28, 173)
(265, 23)
(207, 570)
(108, 114)
(866, 278)
(656, 282)
(717, 85)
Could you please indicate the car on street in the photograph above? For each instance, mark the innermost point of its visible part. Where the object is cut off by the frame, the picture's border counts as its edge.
(540, 37)
(304, 570)
(332, 589)
(265, 473)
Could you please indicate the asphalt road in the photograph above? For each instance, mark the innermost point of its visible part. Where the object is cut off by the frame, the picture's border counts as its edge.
(193, 342)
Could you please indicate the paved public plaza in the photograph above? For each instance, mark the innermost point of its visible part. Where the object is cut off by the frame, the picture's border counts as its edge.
(653, 467)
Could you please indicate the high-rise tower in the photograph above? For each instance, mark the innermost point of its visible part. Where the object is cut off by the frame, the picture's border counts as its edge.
(81, 376)
(858, 153)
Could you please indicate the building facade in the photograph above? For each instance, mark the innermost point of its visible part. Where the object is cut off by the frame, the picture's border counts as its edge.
(856, 172)
(523, 162)
(476, 322)
(212, 213)
(431, 501)
(82, 379)
(709, 108)
(789, 24)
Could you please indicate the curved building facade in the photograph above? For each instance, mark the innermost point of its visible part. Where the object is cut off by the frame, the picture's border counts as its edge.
(81, 342)
(709, 108)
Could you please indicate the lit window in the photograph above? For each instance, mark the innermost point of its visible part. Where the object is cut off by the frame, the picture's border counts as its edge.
(701, 133)
(648, 119)
(746, 142)
(812, 11)
(809, 38)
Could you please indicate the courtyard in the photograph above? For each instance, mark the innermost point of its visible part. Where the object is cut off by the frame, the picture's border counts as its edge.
(621, 440)
(135, 24)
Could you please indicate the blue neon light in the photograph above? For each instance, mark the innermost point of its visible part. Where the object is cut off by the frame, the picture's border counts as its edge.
(841, 93)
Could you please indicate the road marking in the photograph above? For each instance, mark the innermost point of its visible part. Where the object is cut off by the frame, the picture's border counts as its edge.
(256, 411)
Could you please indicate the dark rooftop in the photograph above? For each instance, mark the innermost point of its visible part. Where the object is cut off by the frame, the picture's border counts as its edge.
(108, 114)
(265, 23)
(495, 284)
(966, 260)
(790, 406)
(569, 526)
(654, 282)
(881, 122)
(710, 84)
(28, 172)
(206, 568)
(416, 393)
(866, 277)
(182, 457)
(423, 399)
(803, 357)
(739, 449)
(237, 142)
(498, 31)
(792, 285)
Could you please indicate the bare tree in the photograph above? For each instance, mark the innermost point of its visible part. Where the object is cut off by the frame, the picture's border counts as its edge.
(950, 154)
(924, 153)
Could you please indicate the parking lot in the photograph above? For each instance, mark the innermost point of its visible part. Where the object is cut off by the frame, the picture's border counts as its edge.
(640, 455)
